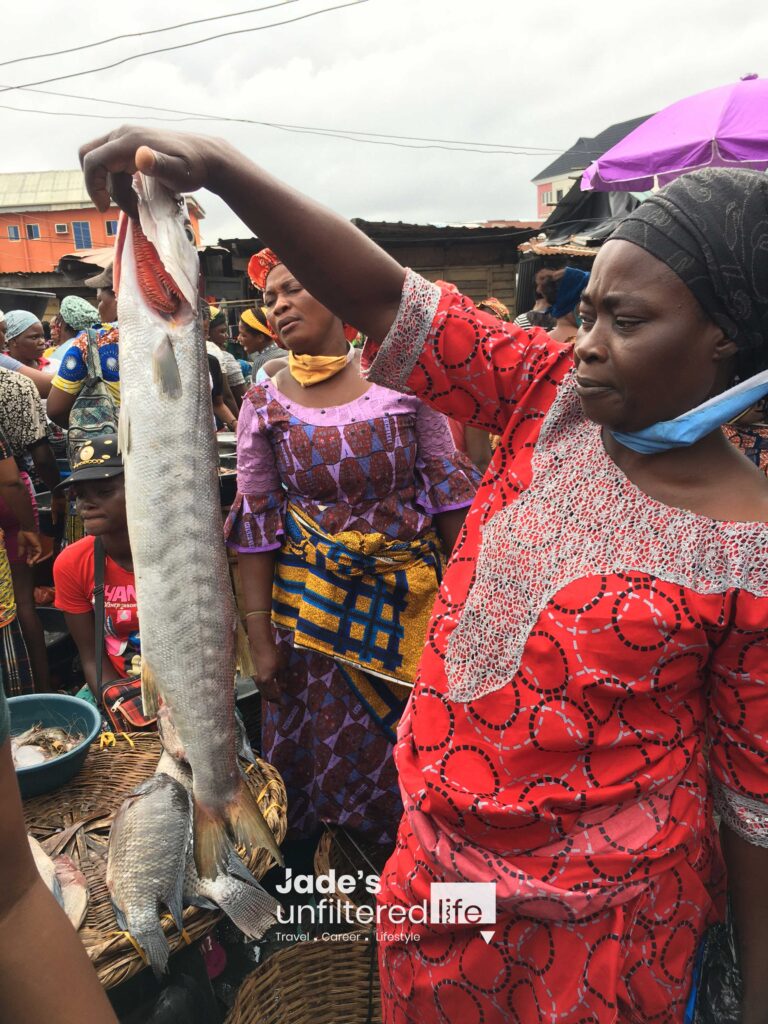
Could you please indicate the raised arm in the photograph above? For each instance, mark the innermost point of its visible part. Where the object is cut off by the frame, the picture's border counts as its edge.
(334, 261)
(475, 370)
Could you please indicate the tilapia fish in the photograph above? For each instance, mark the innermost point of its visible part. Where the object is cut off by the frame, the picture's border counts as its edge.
(184, 594)
(235, 891)
(148, 847)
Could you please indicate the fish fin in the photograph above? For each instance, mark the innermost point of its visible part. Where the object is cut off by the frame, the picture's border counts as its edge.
(203, 902)
(57, 892)
(149, 692)
(165, 369)
(249, 907)
(248, 826)
(244, 748)
(156, 948)
(123, 430)
(243, 651)
(122, 924)
(175, 901)
(210, 842)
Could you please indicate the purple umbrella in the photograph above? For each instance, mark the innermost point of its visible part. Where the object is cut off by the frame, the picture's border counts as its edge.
(725, 127)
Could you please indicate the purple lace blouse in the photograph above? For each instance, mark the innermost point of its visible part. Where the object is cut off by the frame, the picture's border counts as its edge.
(383, 463)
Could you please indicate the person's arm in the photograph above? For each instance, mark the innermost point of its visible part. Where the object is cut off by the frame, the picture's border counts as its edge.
(60, 406)
(223, 413)
(448, 526)
(253, 529)
(747, 873)
(16, 497)
(447, 479)
(68, 383)
(337, 264)
(229, 399)
(435, 342)
(82, 629)
(478, 448)
(45, 464)
(238, 392)
(257, 571)
(45, 973)
(738, 732)
(41, 380)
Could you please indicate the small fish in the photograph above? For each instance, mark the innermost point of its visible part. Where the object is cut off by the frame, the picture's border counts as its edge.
(74, 889)
(183, 588)
(235, 891)
(148, 847)
(39, 744)
(47, 870)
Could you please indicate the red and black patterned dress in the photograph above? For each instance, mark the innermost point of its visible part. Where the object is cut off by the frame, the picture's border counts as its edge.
(585, 641)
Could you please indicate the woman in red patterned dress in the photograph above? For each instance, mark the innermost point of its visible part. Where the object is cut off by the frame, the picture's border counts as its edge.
(602, 620)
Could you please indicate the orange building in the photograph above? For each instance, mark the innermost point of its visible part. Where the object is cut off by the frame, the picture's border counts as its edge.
(45, 215)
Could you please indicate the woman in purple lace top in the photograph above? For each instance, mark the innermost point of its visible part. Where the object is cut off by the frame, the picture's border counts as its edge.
(335, 472)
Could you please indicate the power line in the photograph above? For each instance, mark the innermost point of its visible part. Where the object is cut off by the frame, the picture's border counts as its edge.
(348, 133)
(181, 46)
(148, 32)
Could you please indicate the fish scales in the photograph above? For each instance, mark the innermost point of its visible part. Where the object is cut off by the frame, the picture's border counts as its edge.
(184, 594)
(148, 846)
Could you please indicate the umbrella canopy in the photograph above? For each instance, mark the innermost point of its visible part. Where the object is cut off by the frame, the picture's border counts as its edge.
(725, 127)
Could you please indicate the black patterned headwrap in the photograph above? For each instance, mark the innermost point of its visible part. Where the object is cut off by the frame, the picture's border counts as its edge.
(711, 228)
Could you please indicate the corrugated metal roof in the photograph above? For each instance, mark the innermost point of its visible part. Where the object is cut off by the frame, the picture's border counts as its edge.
(36, 190)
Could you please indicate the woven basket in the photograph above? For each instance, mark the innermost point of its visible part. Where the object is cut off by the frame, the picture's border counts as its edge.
(352, 855)
(313, 983)
(76, 820)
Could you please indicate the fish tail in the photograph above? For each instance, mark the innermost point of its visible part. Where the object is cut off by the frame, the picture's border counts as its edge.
(210, 841)
(241, 821)
(156, 948)
(248, 825)
(250, 908)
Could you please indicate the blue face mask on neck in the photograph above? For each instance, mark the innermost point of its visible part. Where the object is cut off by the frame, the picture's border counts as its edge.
(691, 426)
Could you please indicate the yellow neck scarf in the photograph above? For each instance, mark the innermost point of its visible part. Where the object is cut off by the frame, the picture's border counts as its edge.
(309, 370)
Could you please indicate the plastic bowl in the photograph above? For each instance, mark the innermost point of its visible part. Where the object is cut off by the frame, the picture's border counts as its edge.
(49, 709)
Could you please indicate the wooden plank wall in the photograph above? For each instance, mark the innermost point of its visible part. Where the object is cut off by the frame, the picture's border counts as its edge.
(478, 282)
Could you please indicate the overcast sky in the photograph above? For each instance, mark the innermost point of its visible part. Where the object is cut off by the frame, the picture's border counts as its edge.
(511, 72)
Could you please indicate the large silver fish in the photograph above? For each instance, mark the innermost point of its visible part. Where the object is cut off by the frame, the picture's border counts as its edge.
(148, 847)
(184, 594)
(249, 906)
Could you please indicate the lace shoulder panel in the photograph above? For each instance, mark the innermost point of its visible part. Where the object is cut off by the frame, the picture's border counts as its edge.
(582, 517)
(400, 350)
(746, 817)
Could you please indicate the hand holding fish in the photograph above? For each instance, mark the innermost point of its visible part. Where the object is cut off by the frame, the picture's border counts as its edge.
(179, 161)
(339, 265)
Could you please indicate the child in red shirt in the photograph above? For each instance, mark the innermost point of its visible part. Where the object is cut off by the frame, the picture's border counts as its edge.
(98, 482)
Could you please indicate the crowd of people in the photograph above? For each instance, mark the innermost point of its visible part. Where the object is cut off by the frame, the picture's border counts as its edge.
(504, 582)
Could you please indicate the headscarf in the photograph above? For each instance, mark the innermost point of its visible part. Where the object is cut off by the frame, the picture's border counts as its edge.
(255, 320)
(259, 267)
(78, 314)
(218, 316)
(711, 228)
(496, 306)
(2, 317)
(569, 289)
(17, 321)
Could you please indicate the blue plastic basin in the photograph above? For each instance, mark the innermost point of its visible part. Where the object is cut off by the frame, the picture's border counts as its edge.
(53, 709)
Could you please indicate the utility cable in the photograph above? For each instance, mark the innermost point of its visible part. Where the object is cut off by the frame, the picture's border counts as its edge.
(510, 148)
(181, 46)
(147, 32)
